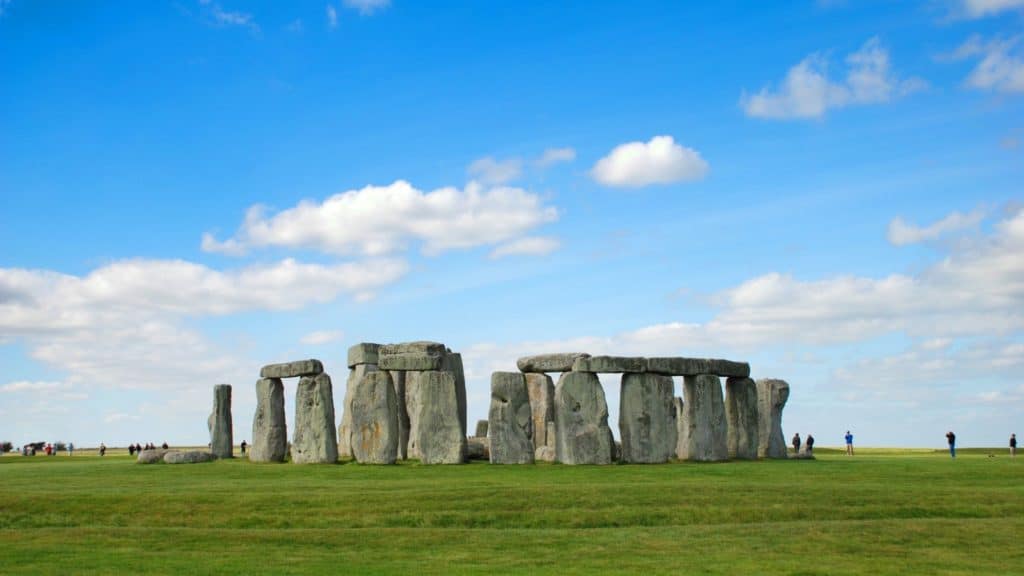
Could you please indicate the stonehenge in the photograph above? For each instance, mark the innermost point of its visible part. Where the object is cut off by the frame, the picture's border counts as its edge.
(647, 418)
(541, 390)
(581, 420)
(704, 411)
(510, 422)
(374, 423)
(269, 430)
(771, 399)
(219, 422)
(315, 440)
(741, 412)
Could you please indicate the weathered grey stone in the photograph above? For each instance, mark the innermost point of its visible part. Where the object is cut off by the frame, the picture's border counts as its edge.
(544, 454)
(219, 422)
(549, 362)
(771, 399)
(269, 431)
(417, 347)
(581, 417)
(362, 353)
(412, 356)
(152, 456)
(398, 379)
(355, 374)
(676, 366)
(705, 416)
(453, 364)
(375, 431)
(741, 414)
(541, 389)
(478, 448)
(310, 367)
(481, 429)
(802, 455)
(647, 419)
(435, 435)
(315, 440)
(190, 457)
(610, 364)
(510, 428)
(683, 427)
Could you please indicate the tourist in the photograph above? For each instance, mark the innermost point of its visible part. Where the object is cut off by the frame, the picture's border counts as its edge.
(796, 443)
(810, 444)
(849, 443)
(164, 446)
(131, 449)
(244, 445)
(951, 438)
(71, 448)
(103, 449)
(1013, 446)
(49, 450)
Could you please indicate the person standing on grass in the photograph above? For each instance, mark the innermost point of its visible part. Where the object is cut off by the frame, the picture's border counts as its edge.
(796, 443)
(1013, 445)
(849, 443)
(243, 446)
(951, 438)
(810, 444)
(71, 448)
(103, 449)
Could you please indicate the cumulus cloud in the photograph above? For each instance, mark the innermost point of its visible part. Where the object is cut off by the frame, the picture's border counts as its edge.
(378, 220)
(529, 246)
(553, 156)
(985, 8)
(808, 92)
(491, 171)
(658, 161)
(901, 233)
(320, 337)
(1000, 66)
(367, 7)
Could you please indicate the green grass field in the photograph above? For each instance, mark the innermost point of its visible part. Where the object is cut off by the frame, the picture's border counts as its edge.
(881, 512)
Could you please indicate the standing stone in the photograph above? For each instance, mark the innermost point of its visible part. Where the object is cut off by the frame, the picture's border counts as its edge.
(510, 421)
(315, 441)
(683, 427)
(345, 428)
(581, 420)
(269, 431)
(453, 364)
(705, 416)
(375, 431)
(741, 414)
(481, 429)
(221, 441)
(647, 419)
(541, 389)
(771, 399)
(435, 434)
(398, 380)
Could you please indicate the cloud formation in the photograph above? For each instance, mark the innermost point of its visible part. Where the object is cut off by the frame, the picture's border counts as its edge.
(366, 7)
(552, 156)
(491, 171)
(986, 8)
(658, 161)
(528, 246)
(1000, 66)
(321, 337)
(901, 233)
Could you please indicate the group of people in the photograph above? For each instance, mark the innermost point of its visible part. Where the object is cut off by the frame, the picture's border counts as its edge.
(134, 448)
(809, 443)
(49, 449)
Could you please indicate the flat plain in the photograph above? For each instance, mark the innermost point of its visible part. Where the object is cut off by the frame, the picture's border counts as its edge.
(879, 512)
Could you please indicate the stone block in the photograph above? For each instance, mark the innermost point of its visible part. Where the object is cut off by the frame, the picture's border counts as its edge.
(362, 353)
(310, 367)
(549, 362)
(510, 428)
(610, 364)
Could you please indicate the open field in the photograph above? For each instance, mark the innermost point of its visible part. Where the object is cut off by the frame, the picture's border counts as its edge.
(881, 512)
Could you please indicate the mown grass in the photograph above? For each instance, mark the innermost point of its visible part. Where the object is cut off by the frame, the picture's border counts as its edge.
(881, 512)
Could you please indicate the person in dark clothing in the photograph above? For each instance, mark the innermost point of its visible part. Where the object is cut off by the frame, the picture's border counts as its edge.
(243, 446)
(131, 449)
(796, 443)
(1013, 445)
(951, 438)
(810, 444)
(103, 449)
(164, 446)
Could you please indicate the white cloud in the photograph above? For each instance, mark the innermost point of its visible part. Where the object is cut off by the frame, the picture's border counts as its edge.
(379, 220)
(222, 17)
(367, 7)
(901, 233)
(33, 386)
(985, 8)
(491, 171)
(528, 246)
(658, 161)
(320, 337)
(332, 17)
(808, 92)
(553, 156)
(1001, 64)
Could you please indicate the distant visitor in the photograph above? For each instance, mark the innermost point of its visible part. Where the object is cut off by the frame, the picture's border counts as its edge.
(951, 438)
(796, 443)
(1013, 445)
(849, 443)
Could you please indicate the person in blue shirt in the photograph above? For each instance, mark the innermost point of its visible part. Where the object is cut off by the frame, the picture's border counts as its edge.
(951, 438)
(849, 443)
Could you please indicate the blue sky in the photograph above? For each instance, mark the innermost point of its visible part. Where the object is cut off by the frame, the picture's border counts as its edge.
(829, 190)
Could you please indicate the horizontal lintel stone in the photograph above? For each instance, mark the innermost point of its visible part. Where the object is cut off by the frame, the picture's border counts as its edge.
(310, 367)
(610, 364)
(561, 362)
(363, 353)
(677, 366)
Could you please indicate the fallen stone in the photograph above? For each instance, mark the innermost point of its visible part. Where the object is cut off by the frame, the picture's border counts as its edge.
(191, 457)
(771, 399)
(375, 431)
(398, 379)
(315, 440)
(298, 368)
(581, 416)
(683, 428)
(549, 362)
(609, 364)
(676, 366)
(435, 435)
(269, 431)
(152, 456)
(412, 356)
(510, 420)
(355, 374)
(541, 389)
(362, 353)
(741, 414)
(219, 422)
(478, 448)
(705, 416)
(481, 429)
(647, 419)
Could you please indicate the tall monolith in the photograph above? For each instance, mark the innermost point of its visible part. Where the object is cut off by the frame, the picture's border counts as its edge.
(741, 414)
(269, 430)
(375, 430)
(221, 429)
(771, 399)
(647, 419)
(581, 420)
(705, 416)
(542, 407)
(510, 420)
(315, 440)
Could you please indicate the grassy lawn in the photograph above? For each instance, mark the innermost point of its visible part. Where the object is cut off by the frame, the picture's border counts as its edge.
(881, 512)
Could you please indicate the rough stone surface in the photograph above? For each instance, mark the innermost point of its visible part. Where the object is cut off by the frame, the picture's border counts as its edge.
(219, 422)
(544, 454)
(435, 435)
(549, 362)
(310, 367)
(771, 399)
(152, 456)
(453, 364)
(355, 374)
(362, 353)
(481, 429)
(269, 431)
(315, 440)
(510, 427)
(541, 389)
(741, 414)
(581, 417)
(610, 364)
(676, 366)
(705, 416)
(647, 418)
(375, 431)
(398, 380)
(418, 347)
(191, 457)
(418, 356)
(478, 448)
(683, 428)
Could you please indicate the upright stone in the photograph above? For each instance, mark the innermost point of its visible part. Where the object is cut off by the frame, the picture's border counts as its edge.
(541, 389)
(315, 441)
(683, 428)
(581, 420)
(741, 414)
(647, 419)
(481, 429)
(269, 430)
(355, 374)
(221, 441)
(510, 421)
(398, 380)
(435, 433)
(375, 431)
(453, 364)
(705, 416)
(771, 399)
